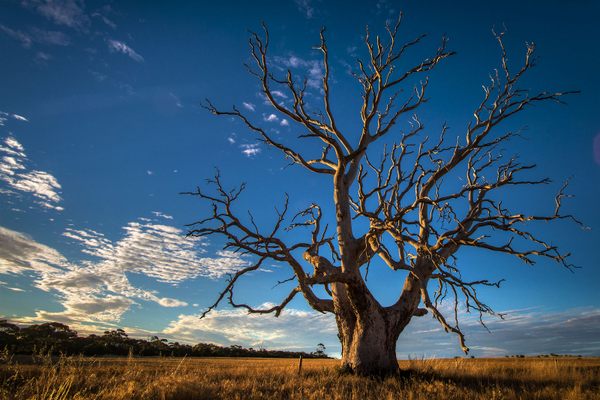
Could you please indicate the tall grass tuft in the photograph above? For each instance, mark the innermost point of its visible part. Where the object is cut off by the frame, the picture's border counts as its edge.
(58, 378)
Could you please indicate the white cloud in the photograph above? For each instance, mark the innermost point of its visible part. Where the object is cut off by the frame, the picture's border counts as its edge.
(42, 185)
(158, 251)
(20, 254)
(313, 69)
(284, 122)
(161, 215)
(100, 289)
(249, 106)
(271, 118)
(167, 302)
(279, 93)
(250, 150)
(572, 331)
(86, 308)
(62, 12)
(293, 329)
(232, 138)
(20, 117)
(148, 172)
(14, 173)
(121, 47)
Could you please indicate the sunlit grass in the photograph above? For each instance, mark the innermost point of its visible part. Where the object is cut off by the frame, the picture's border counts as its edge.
(253, 378)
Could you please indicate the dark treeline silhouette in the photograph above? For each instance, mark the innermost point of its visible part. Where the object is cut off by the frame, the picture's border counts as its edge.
(57, 338)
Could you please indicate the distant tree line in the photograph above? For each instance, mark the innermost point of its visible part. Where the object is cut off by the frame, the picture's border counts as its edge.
(56, 338)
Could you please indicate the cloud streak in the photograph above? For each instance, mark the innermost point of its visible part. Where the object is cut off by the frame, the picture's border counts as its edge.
(20, 36)
(19, 178)
(99, 289)
(249, 106)
(70, 13)
(19, 254)
(305, 7)
(157, 251)
(123, 48)
(313, 69)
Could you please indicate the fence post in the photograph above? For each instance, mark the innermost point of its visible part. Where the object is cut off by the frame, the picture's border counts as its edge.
(300, 365)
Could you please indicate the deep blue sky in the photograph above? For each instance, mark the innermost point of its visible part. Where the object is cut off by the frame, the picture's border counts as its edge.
(101, 129)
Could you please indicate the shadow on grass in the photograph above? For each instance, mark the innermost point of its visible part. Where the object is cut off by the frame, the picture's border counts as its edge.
(483, 384)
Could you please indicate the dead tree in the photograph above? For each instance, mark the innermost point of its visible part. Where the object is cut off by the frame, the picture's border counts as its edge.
(417, 222)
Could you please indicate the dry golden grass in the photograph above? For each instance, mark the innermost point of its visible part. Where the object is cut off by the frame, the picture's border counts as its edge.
(252, 378)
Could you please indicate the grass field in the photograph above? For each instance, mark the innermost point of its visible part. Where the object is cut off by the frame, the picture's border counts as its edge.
(252, 378)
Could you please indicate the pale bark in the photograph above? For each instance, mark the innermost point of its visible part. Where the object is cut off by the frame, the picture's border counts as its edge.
(402, 199)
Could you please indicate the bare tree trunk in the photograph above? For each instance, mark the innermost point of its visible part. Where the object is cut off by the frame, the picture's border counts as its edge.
(369, 333)
(367, 336)
(344, 316)
(370, 347)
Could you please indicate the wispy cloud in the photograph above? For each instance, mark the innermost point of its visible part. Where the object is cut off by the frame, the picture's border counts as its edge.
(4, 116)
(70, 13)
(306, 8)
(19, 254)
(293, 329)
(176, 100)
(313, 69)
(158, 251)
(20, 118)
(533, 331)
(20, 36)
(55, 38)
(250, 150)
(103, 14)
(99, 289)
(249, 106)
(122, 47)
(16, 175)
(161, 215)
(42, 57)
(36, 35)
(279, 93)
(284, 122)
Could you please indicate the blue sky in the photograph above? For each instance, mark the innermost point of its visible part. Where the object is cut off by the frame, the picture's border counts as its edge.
(101, 128)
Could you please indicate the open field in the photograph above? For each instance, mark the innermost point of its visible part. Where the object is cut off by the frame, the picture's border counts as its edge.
(252, 378)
